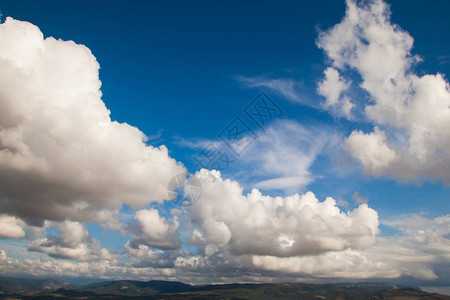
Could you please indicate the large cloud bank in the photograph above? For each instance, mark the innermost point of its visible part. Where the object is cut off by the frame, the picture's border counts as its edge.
(295, 225)
(61, 155)
(412, 112)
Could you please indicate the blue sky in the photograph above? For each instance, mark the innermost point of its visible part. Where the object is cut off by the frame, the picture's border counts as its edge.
(182, 72)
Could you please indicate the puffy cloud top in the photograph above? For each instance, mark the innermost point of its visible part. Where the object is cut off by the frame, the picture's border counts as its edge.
(61, 155)
(414, 110)
(11, 227)
(154, 230)
(332, 88)
(264, 225)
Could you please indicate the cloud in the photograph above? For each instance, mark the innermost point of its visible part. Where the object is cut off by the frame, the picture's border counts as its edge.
(444, 59)
(420, 250)
(143, 256)
(342, 203)
(61, 155)
(96, 269)
(153, 230)
(344, 264)
(280, 157)
(288, 88)
(332, 88)
(11, 227)
(283, 154)
(360, 199)
(74, 242)
(283, 183)
(276, 226)
(372, 150)
(414, 110)
(63, 159)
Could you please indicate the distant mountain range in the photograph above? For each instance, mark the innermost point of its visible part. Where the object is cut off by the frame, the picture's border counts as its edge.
(20, 288)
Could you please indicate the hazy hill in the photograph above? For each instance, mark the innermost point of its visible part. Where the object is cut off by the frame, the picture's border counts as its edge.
(135, 288)
(21, 286)
(155, 289)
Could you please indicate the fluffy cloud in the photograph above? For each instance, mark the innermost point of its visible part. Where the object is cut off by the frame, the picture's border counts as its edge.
(332, 88)
(143, 256)
(74, 242)
(11, 227)
(342, 264)
(61, 155)
(263, 225)
(420, 250)
(154, 230)
(415, 110)
(371, 149)
(97, 269)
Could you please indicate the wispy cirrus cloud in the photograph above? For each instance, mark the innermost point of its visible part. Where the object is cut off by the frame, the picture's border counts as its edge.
(280, 157)
(289, 89)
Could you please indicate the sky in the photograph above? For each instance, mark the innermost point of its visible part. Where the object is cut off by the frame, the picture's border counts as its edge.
(214, 142)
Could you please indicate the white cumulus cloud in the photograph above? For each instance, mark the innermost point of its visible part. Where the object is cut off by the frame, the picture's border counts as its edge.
(276, 226)
(74, 242)
(11, 227)
(412, 112)
(332, 88)
(155, 231)
(61, 155)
